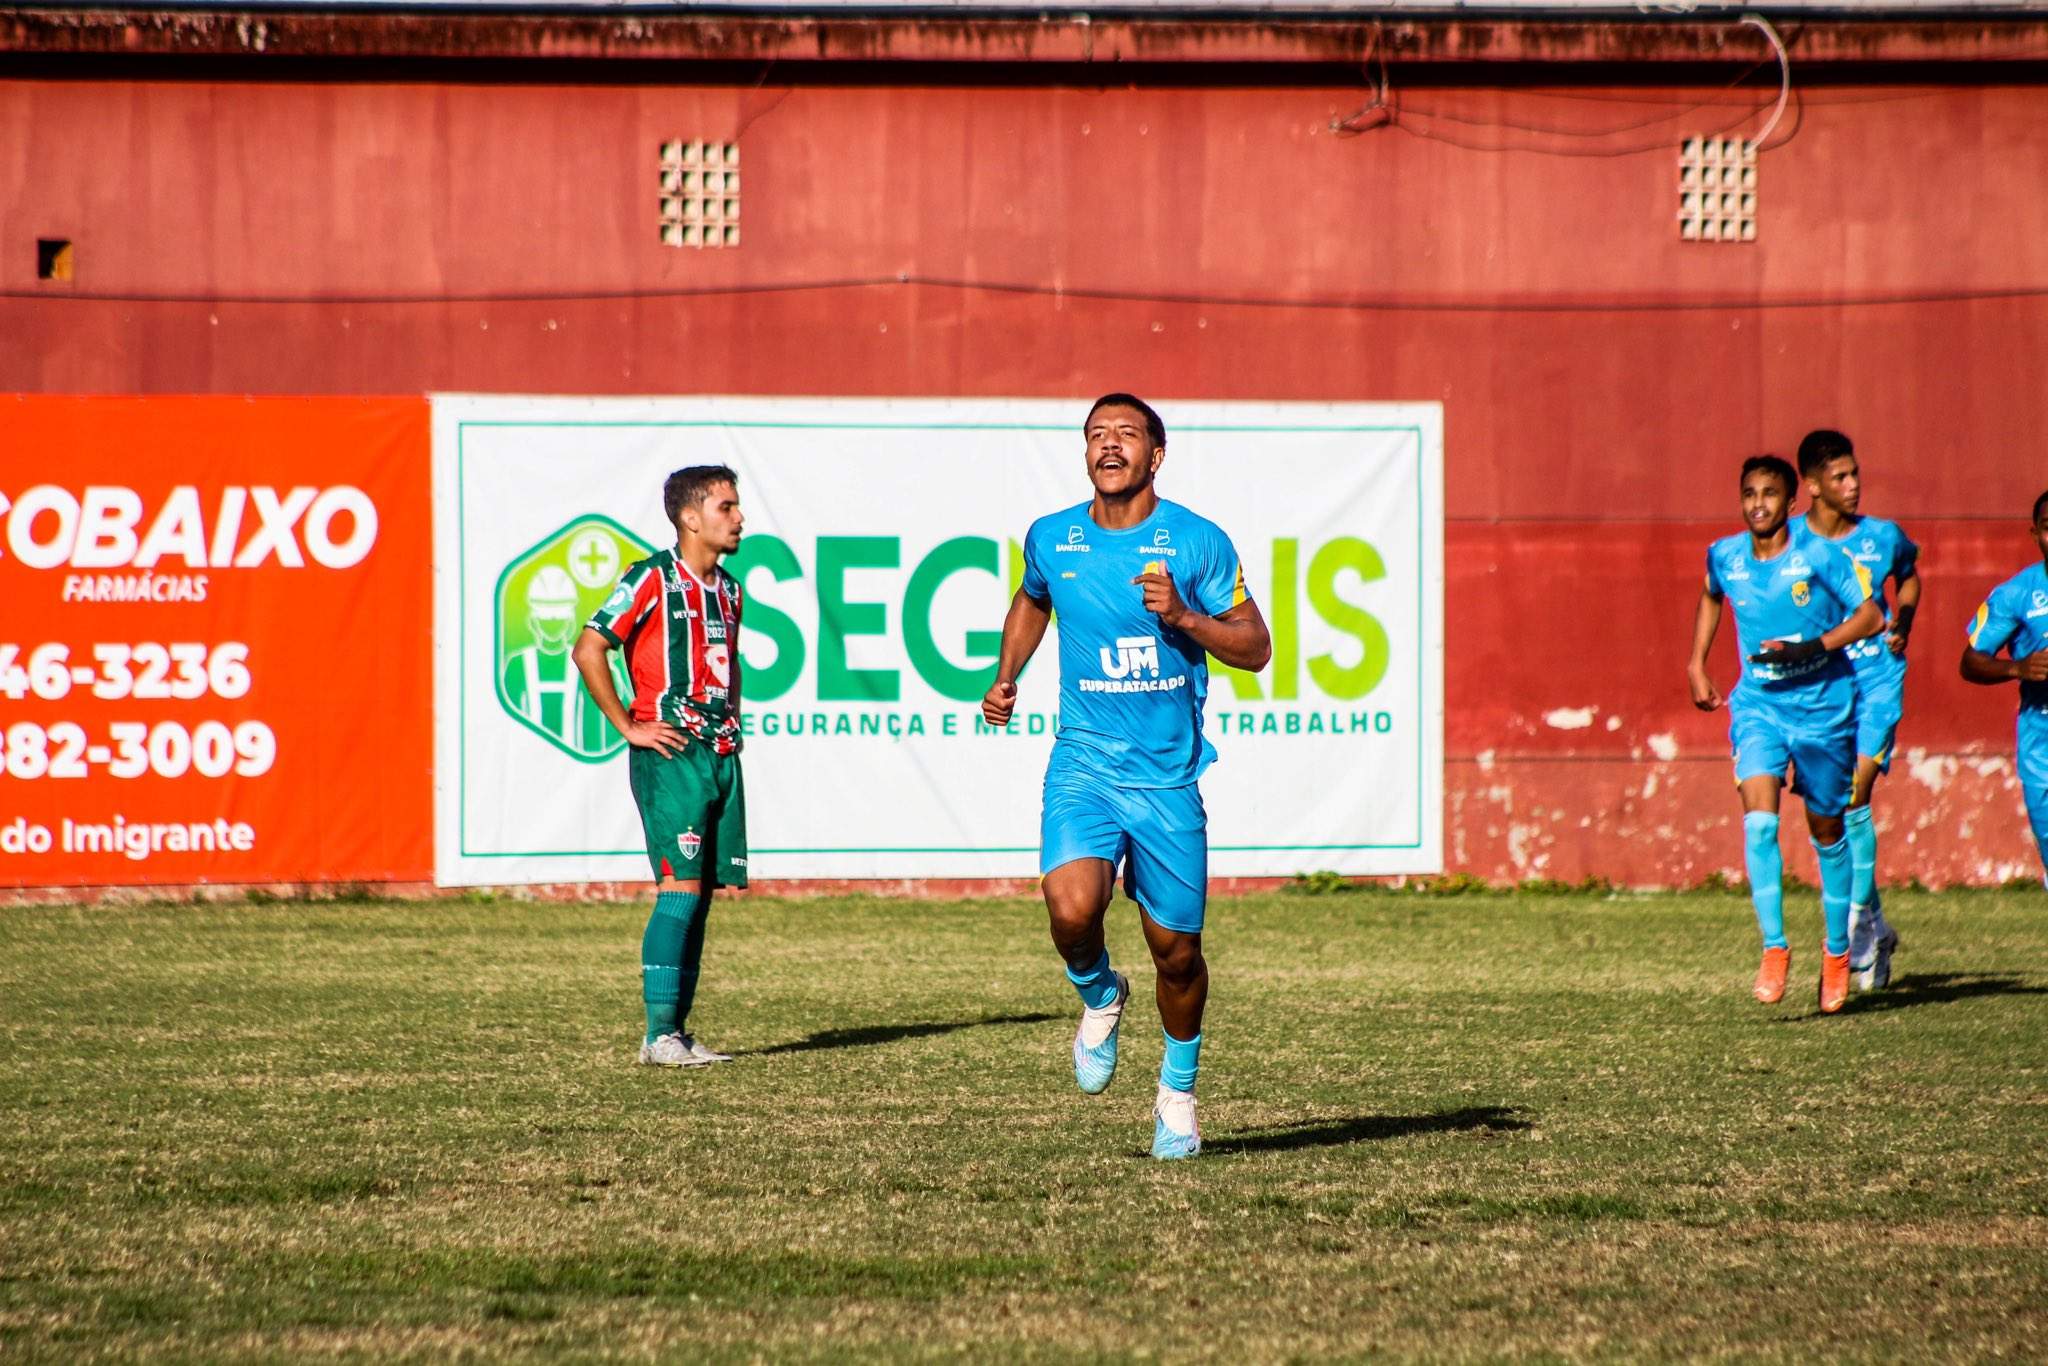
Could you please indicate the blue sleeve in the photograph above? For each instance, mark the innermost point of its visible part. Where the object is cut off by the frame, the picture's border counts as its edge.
(1905, 556)
(1994, 625)
(1219, 579)
(1844, 578)
(1715, 589)
(1034, 584)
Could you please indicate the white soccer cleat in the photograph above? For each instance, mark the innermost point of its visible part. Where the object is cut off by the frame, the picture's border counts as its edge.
(1174, 1134)
(1876, 975)
(703, 1054)
(1863, 923)
(671, 1050)
(1095, 1040)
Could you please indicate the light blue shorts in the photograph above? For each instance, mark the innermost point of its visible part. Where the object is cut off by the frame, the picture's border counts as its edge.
(1878, 709)
(1822, 757)
(1157, 837)
(2032, 746)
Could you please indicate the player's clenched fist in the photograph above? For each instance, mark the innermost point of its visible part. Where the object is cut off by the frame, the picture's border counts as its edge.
(999, 702)
(1705, 695)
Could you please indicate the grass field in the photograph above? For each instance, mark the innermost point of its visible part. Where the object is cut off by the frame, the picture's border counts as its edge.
(1485, 1126)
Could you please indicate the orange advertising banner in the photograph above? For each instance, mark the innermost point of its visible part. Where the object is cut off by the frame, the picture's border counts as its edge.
(215, 641)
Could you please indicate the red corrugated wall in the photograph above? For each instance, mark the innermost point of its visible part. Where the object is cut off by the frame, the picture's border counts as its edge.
(1600, 379)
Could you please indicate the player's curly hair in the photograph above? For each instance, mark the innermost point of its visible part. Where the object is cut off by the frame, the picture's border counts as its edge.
(1775, 465)
(1154, 427)
(686, 487)
(2040, 507)
(1820, 446)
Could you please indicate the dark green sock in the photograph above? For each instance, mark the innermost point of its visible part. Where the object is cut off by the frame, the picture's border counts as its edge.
(661, 956)
(692, 958)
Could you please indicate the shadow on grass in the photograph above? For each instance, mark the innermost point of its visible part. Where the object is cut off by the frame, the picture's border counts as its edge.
(1926, 989)
(1332, 1133)
(1940, 988)
(866, 1036)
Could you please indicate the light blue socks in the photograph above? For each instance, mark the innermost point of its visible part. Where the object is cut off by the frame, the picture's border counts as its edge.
(1183, 1059)
(1766, 865)
(1837, 870)
(1862, 835)
(1096, 984)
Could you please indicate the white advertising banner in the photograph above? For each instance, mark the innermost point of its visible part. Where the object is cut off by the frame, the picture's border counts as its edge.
(883, 541)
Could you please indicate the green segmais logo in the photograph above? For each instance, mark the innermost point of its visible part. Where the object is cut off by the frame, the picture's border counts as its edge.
(543, 598)
(959, 664)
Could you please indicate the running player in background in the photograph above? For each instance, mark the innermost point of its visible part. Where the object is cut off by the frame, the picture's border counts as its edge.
(676, 614)
(1145, 591)
(1880, 550)
(2014, 619)
(1797, 603)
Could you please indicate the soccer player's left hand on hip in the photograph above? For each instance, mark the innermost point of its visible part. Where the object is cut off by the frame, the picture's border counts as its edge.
(1788, 652)
(1161, 596)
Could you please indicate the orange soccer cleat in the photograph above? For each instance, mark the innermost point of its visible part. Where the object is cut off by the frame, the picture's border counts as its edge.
(1770, 975)
(1834, 981)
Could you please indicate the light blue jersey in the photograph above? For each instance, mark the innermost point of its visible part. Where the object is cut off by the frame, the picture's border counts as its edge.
(1803, 592)
(1131, 691)
(2014, 620)
(1880, 550)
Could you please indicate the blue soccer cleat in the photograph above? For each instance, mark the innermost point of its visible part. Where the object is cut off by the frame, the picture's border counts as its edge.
(1095, 1041)
(1174, 1133)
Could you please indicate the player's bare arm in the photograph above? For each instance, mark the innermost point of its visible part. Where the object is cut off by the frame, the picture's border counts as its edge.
(590, 651)
(1023, 629)
(1979, 667)
(1861, 624)
(1903, 614)
(1238, 637)
(1706, 624)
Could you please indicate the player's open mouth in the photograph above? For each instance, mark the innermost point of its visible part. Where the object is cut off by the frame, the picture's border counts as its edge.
(1110, 462)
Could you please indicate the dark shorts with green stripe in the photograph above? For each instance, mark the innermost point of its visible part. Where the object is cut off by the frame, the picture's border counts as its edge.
(693, 808)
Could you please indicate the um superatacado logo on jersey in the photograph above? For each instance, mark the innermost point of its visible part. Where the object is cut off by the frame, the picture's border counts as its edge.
(543, 598)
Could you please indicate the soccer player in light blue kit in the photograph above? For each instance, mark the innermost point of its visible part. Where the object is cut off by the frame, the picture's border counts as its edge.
(1797, 603)
(2014, 619)
(1145, 591)
(1880, 550)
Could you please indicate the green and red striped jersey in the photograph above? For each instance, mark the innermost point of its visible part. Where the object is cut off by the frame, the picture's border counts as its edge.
(680, 635)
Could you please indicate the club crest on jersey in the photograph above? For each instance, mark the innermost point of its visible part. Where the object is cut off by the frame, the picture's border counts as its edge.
(690, 842)
(1801, 594)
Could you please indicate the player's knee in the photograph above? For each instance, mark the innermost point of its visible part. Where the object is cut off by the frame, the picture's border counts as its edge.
(1073, 917)
(1180, 960)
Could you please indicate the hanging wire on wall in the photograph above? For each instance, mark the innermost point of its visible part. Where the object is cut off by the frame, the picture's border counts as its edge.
(1387, 110)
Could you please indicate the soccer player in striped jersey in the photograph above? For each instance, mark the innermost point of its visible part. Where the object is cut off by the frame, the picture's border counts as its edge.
(1797, 603)
(676, 615)
(1881, 551)
(2014, 621)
